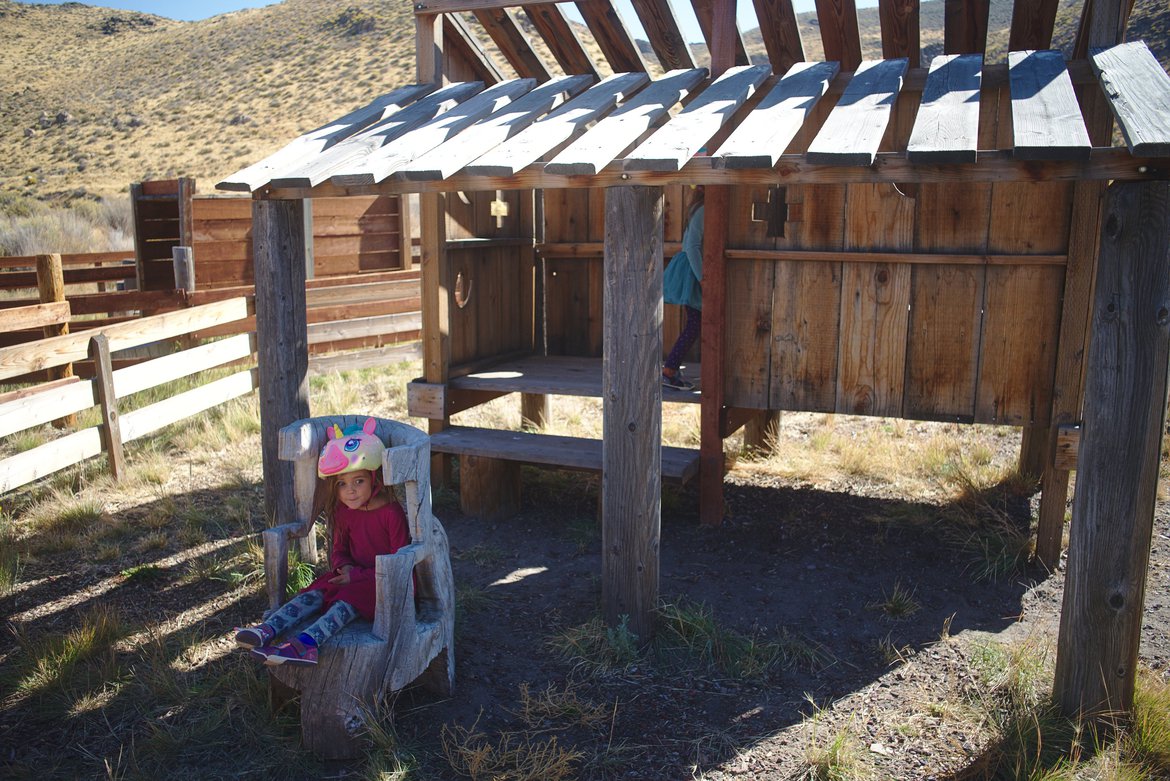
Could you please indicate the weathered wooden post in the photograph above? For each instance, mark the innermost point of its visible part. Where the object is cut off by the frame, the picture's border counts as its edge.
(631, 482)
(715, 220)
(103, 383)
(51, 286)
(184, 262)
(1124, 416)
(279, 251)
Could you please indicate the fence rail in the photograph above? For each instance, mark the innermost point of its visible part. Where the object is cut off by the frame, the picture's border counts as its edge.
(33, 407)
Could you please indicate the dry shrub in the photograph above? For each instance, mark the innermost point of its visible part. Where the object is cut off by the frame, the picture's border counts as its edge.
(512, 757)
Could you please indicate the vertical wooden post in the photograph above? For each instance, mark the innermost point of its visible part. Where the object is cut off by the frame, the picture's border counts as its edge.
(51, 286)
(184, 262)
(279, 249)
(1125, 412)
(103, 381)
(534, 410)
(405, 239)
(759, 433)
(186, 211)
(1103, 25)
(715, 205)
(631, 481)
(310, 263)
(433, 271)
(139, 240)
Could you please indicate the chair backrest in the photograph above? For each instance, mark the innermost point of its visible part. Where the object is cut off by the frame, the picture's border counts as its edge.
(405, 462)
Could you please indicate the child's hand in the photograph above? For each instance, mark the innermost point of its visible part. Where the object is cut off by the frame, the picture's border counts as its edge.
(342, 575)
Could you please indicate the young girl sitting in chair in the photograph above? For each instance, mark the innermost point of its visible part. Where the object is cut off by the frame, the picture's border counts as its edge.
(365, 522)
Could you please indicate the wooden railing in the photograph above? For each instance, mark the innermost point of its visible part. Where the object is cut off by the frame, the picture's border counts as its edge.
(30, 407)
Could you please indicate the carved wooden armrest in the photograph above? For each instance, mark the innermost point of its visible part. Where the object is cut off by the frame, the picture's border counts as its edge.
(395, 583)
(275, 541)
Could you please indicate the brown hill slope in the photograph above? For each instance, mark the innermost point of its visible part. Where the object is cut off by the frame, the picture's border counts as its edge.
(93, 99)
(150, 97)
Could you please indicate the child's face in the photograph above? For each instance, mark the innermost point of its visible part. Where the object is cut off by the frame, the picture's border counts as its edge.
(354, 489)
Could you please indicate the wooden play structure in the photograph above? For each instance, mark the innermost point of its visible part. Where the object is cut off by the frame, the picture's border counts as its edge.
(883, 236)
(412, 635)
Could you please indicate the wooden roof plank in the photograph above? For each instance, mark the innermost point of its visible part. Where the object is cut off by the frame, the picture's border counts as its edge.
(609, 137)
(551, 131)
(853, 131)
(449, 157)
(560, 37)
(513, 44)
(679, 139)
(611, 35)
(780, 32)
(1139, 94)
(1032, 25)
(839, 34)
(705, 15)
(316, 141)
(1046, 117)
(946, 129)
(900, 30)
(460, 41)
(762, 137)
(317, 169)
(388, 159)
(965, 26)
(662, 28)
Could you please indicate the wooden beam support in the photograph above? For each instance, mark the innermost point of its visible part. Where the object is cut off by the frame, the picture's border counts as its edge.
(711, 340)
(1104, 164)
(632, 408)
(561, 39)
(279, 247)
(1125, 413)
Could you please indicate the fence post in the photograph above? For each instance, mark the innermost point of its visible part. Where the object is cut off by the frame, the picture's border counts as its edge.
(110, 429)
(184, 260)
(1117, 478)
(51, 285)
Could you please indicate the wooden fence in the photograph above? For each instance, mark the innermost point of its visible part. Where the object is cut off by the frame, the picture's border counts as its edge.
(107, 385)
(349, 235)
(30, 407)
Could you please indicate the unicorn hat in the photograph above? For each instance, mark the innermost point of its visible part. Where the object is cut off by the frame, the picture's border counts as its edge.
(352, 450)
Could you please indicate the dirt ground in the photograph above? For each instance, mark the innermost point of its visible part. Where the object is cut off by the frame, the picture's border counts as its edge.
(795, 563)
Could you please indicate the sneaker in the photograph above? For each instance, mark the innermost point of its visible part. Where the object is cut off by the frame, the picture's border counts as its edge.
(292, 652)
(263, 652)
(254, 636)
(677, 381)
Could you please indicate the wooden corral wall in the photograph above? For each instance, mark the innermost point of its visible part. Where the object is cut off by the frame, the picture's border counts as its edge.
(350, 235)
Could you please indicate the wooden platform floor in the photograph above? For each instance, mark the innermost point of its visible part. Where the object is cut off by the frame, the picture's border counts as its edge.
(558, 375)
(678, 463)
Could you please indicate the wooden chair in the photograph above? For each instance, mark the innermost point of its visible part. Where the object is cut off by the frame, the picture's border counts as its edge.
(412, 635)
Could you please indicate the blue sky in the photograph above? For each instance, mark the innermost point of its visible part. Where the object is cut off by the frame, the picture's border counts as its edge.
(191, 11)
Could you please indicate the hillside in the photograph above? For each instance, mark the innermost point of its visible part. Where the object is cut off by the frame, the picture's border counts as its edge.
(92, 99)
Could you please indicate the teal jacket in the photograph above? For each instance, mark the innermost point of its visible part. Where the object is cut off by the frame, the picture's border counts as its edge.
(680, 281)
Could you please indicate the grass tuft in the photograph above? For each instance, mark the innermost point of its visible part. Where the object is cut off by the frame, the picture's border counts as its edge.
(513, 756)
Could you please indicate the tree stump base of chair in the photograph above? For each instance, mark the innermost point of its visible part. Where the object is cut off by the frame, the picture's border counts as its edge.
(489, 488)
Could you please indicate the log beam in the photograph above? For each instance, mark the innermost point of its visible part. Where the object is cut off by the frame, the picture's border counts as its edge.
(632, 407)
(1125, 411)
(279, 250)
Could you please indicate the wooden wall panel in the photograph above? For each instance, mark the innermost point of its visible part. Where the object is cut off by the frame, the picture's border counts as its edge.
(806, 310)
(1020, 328)
(946, 304)
(874, 302)
(942, 358)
